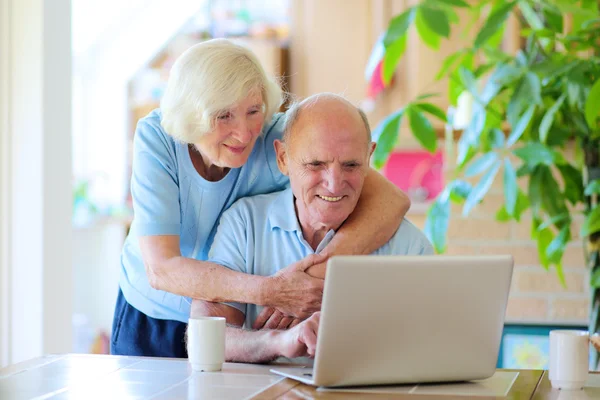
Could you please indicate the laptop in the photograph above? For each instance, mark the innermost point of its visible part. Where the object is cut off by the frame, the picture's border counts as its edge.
(408, 319)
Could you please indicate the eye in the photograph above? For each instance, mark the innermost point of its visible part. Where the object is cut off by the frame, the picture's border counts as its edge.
(224, 117)
(351, 165)
(253, 112)
(315, 164)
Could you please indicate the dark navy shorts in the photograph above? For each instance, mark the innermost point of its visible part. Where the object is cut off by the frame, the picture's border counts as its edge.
(136, 334)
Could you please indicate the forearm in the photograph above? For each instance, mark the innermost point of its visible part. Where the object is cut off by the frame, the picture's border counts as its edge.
(375, 219)
(251, 346)
(240, 345)
(206, 281)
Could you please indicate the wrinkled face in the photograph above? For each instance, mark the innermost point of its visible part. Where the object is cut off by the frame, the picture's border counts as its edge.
(326, 160)
(236, 129)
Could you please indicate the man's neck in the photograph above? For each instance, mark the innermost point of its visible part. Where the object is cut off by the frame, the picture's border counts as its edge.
(313, 232)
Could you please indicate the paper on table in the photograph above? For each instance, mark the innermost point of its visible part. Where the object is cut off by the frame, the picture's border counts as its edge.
(497, 385)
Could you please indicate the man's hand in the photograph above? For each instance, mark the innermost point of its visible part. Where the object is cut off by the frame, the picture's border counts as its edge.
(293, 292)
(270, 318)
(301, 340)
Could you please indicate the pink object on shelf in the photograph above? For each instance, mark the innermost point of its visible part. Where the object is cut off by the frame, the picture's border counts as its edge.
(418, 173)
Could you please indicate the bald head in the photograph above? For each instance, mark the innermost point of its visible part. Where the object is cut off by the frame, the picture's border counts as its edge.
(325, 107)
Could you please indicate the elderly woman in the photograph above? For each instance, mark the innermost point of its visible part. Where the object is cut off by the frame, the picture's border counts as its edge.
(210, 143)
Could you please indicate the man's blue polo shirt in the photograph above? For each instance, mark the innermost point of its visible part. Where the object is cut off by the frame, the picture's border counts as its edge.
(261, 234)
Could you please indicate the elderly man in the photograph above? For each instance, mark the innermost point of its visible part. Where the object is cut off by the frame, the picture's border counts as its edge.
(325, 151)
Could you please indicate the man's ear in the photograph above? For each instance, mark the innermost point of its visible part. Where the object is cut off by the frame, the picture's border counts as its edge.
(281, 153)
(371, 150)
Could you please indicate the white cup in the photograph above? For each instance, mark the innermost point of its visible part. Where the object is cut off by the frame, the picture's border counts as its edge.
(206, 343)
(569, 359)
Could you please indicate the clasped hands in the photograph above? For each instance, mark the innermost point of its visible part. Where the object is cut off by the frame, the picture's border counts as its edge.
(295, 294)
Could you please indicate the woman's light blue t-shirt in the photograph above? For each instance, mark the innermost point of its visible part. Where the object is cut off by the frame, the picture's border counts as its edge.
(171, 198)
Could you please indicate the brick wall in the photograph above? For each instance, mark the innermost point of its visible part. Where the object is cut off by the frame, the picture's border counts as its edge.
(536, 295)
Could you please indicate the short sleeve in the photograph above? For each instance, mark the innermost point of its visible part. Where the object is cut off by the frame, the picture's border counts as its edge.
(229, 246)
(274, 131)
(427, 249)
(154, 181)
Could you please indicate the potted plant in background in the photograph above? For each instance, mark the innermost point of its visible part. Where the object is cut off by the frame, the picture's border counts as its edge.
(526, 106)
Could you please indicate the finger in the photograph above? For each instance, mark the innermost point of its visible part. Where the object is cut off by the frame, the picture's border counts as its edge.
(309, 337)
(309, 261)
(295, 322)
(263, 317)
(285, 323)
(274, 320)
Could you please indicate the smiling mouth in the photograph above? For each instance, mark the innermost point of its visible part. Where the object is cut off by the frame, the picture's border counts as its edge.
(330, 199)
(236, 150)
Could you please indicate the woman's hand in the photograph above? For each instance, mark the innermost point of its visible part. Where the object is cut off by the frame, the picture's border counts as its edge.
(293, 292)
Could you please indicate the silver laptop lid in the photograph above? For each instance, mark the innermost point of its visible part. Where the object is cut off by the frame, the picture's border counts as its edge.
(403, 319)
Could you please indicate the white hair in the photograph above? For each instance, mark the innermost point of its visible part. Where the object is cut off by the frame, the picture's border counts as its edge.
(209, 78)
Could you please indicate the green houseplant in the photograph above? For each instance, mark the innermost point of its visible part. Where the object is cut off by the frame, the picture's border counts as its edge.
(526, 107)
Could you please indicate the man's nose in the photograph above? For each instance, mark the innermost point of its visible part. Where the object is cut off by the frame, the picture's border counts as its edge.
(334, 179)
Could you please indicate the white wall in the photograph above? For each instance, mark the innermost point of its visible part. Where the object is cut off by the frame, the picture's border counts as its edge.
(4, 179)
(36, 178)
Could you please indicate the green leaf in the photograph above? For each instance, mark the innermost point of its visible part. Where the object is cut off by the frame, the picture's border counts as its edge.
(592, 222)
(544, 238)
(506, 74)
(551, 197)
(426, 96)
(502, 215)
(510, 187)
(436, 20)
(460, 190)
(522, 204)
(422, 129)
(393, 54)
(470, 137)
(573, 183)
(592, 105)
(431, 109)
(398, 27)
(528, 93)
(482, 164)
(554, 19)
(556, 247)
(536, 189)
(481, 189)
(557, 220)
(493, 23)
(431, 38)
(549, 118)
(592, 188)
(520, 126)
(575, 93)
(436, 224)
(532, 17)
(534, 153)
(386, 135)
(496, 138)
(595, 279)
(456, 3)
(468, 80)
(448, 64)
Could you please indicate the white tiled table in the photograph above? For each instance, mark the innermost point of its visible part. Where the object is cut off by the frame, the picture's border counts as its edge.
(78, 376)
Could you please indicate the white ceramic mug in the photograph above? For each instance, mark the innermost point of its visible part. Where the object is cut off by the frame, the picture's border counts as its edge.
(206, 343)
(569, 359)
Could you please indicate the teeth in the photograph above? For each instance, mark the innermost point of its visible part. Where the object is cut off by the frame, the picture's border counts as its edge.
(327, 198)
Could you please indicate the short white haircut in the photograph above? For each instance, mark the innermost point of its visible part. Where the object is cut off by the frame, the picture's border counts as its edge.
(209, 78)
